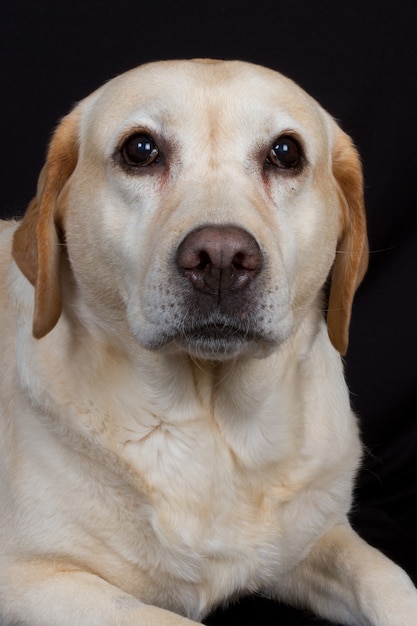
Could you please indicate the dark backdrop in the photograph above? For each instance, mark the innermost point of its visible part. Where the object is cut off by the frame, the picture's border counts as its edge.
(359, 59)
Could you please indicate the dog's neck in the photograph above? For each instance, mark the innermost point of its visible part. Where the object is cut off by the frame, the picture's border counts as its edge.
(135, 390)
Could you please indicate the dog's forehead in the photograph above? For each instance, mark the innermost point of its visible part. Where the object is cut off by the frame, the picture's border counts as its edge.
(177, 94)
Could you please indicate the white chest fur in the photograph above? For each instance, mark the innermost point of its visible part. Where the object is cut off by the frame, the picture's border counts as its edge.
(208, 476)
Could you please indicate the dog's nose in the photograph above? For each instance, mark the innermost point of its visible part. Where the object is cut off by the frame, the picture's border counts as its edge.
(219, 259)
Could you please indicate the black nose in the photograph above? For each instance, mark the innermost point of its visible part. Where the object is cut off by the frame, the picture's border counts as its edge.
(219, 259)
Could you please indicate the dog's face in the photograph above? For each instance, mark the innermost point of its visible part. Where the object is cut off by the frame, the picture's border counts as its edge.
(201, 205)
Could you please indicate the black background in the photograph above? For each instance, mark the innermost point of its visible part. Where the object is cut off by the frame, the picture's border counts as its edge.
(359, 59)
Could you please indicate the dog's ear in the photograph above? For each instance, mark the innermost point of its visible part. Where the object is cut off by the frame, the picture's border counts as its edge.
(352, 248)
(37, 240)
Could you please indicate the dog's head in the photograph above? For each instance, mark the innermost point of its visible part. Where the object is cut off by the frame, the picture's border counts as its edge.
(199, 205)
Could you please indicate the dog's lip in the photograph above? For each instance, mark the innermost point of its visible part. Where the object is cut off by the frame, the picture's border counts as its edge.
(213, 341)
(213, 331)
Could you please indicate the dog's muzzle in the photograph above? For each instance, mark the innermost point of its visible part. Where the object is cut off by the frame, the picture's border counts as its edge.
(219, 265)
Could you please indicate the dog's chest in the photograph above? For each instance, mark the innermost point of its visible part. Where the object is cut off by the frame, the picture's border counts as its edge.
(211, 525)
(182, 505)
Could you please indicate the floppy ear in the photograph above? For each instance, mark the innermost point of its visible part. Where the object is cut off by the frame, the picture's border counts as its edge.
(36, 244)
(352, 249)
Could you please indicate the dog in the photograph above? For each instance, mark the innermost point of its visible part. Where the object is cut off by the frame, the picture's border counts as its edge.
(176, 428)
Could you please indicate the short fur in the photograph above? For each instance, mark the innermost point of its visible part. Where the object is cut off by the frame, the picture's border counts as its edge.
(163, 449)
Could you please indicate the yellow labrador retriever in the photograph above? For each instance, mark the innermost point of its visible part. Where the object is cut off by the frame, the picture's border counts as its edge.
(175, 424)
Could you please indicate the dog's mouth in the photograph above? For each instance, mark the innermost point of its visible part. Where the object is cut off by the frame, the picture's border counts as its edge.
(220, 332)
(216, 341)
(219, 337)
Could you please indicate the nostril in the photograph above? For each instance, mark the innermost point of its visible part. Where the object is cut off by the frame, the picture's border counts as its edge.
(192, 258)
(204, 259)
(249, 259)
(239, 261)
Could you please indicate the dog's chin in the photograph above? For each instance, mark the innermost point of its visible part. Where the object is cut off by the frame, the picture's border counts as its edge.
(214, 348)
(216, 344)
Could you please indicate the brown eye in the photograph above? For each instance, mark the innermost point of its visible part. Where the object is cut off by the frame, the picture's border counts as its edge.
(139, 150)
(285, 153)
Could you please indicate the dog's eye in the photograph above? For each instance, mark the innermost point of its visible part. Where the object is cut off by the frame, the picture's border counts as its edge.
(285, 153)
(139, 150)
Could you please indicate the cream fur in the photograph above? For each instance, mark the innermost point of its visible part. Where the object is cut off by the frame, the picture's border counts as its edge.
(146, 476)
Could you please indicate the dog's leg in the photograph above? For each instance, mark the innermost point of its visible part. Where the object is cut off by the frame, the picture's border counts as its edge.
(32, 595)
(346, 580)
